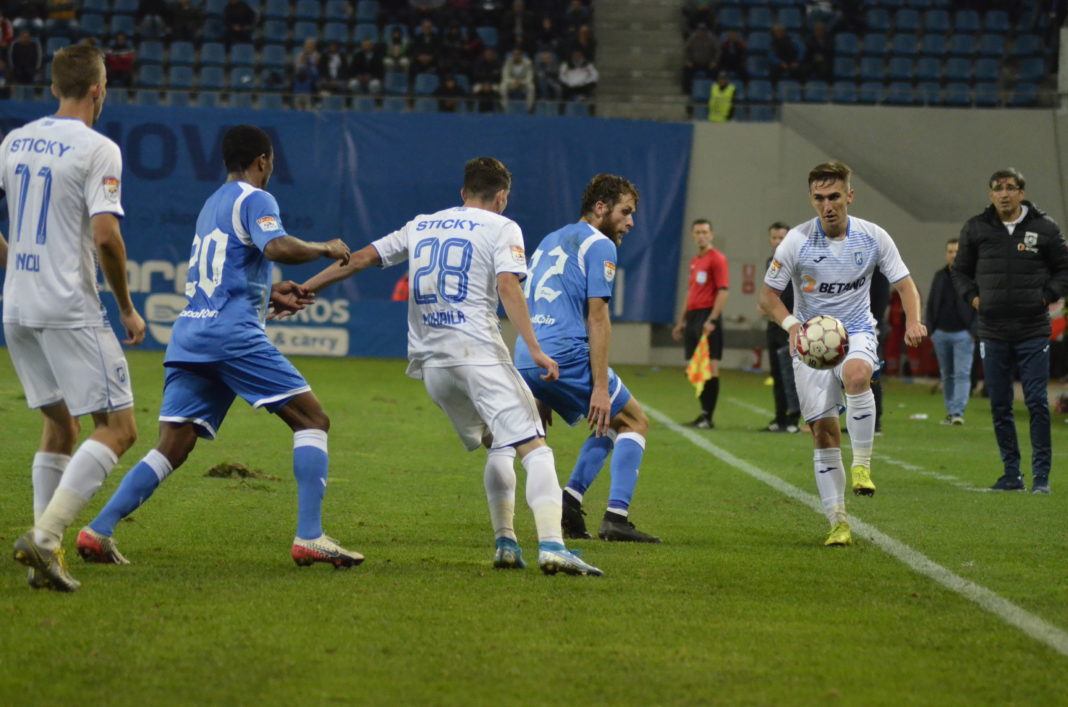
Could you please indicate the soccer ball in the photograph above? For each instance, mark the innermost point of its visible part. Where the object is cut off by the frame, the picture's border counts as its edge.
(822, 342)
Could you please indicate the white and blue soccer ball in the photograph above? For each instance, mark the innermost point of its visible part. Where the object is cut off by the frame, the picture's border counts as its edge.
(822, 342)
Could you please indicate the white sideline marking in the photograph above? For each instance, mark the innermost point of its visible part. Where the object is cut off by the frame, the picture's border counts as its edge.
(1031, 625)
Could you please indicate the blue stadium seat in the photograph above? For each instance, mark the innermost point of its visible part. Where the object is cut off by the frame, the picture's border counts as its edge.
(242, 79)
(957, 69)
(241, 100)
(758, 42)
(363, 32)
(789, 92)
(274, 56)
(488, 35)
(933, 45)
(936, 22)
(872, 69)
(1023, 95)
(124, 7)
(463, 81)
(991, 45)
(308, 10)
(760, 114)
(987, 95)
(333, 102)
(702, 89)
(395, 104)
(207, 99)
(962, 45)
(1027, 45)
(846, 44)
(242, 55)
(213, 30)
(91, 24)
(26, 93)
(888, 4)
(576, 109)
(147, 97)
(958, 93)
(844, 92)
(996, 21)
(212, 54)
(906, 45)
(729, 18)
(551, 108)
(214, 8)
(179, 99)
(367, 11)
(180, 77)
(700, 112)
(845, 68)
(899, 93)
(212, 78)
(928, 69)
(757, 67)
(929, 93)
(1031, 69)
(791, 18)
(305, 30)
(919, 4)
(276, 10)
(363, 104)
(426, 84)
(275, 31)
(150, 76)
(907, 20)
(899, 68)
(759, 91)
(182, 54)
(98, 6)
(396, 82)
(965, 21)
(125, 24)
(337, 11)
(150, 52)
(874, 44)
(271, 101)
(877, 19)
(987, 70)
(54, 44)
(817, 92)
(870, 92)
(515, 107)
(759, 18)
(336, 32)
(424, 104)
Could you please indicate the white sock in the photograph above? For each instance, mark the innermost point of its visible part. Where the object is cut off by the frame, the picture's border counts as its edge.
(47, 471)
(499, 479)
(543, 494)
(159, 464)
(831, 481)
(862, 430)
(574, 494)
(82, 478)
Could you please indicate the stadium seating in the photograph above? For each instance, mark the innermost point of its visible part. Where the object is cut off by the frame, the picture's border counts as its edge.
(958, 94)
(179, 99)
(305, 30)
(363, 104)
(274, 56)
(900, 68)
(145, 97)
(424, 104)
(180, 77)
(337, 11)
(789, 91)
(333, 102)
(276, 10)
(844, 92)
(817, 92)
(212, 78)
(125, 24)
(394, 104)
(900, 93)
(242, 79)
(124, 7)
(846, 44)
(242, 55)
(182, 53)
(241, 100)
(367, 11)
(992, 45)
(150, 76)
(759, 42)
(150, 52)
(987, 95)
(759, 18)
(214, 8)
(396, 82)
(702, 89)
(577, 109)
(929, 93)
(271, 101)
(363, 32)
(212, 54)
(844, 68)
(426, 84)
(870, 92)
(336, 32)
(307, 10)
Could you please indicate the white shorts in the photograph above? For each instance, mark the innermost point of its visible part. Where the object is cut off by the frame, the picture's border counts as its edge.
(480, 399)
(820, 392)
(83, 367)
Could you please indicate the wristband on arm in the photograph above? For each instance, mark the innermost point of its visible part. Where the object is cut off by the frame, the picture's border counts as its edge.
(789, 322)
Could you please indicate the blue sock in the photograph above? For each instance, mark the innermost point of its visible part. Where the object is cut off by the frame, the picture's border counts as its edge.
(590, 461)
(310, 462)
(138, 484)
(626, 460)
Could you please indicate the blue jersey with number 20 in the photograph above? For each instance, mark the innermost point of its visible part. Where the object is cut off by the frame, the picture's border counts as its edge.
(569, 267)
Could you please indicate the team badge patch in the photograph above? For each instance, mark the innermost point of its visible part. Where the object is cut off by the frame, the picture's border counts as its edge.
(702, 277)
(858, 258)
(774, 268)
(1030, 239)
(111, 188)
(519, 256)
(609, 271)
(267, 223)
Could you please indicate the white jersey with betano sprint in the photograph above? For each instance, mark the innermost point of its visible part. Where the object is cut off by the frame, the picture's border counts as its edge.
(833, 276)
(57, 174)
(454, 258)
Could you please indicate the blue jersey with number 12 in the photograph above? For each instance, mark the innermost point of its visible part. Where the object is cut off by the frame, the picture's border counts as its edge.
(569, 267)
(229, 282)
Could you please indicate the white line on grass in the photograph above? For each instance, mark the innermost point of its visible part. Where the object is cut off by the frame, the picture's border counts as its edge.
(1030, 624)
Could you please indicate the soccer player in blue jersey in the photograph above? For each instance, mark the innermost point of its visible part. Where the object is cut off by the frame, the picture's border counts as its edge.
(219, 350)
(568, 291)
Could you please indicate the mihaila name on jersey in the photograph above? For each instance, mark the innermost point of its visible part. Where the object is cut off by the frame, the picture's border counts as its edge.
(450, 317)
(809, 284)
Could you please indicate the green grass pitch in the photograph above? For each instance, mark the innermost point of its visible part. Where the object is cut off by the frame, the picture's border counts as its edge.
(741, 604)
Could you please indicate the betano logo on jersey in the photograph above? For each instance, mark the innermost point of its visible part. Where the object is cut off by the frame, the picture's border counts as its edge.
(809, 284)
(609, 271)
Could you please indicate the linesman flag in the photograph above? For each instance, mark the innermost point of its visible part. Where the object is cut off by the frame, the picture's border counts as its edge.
(699, 369)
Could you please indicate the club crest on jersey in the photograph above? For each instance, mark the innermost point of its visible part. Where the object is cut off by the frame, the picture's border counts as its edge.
(267, 223)
(858, 258)
(111, 188)
(702, 277)
(519, 256)
(609, 271)
(774, 268)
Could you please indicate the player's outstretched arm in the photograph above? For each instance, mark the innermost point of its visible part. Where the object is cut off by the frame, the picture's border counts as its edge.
(771, 305)
(111, 251)
(515, 306)
(599, 328)
(360, 260)
(290, 250)
(915, 331)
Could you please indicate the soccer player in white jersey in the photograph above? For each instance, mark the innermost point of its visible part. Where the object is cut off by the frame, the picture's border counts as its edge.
(572, 276)
(219, 350)
(460, 260)
(63, 184)
(829, 260)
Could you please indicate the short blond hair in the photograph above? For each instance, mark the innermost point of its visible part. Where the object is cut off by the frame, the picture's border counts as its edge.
(76, 69)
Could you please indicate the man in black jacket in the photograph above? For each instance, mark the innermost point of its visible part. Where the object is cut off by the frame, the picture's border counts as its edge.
(787, 406)
(951, 322)
(1011, 264)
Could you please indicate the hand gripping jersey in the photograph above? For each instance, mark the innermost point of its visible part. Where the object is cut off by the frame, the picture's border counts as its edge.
(569, 267)
(229, 282)
(834, 276)
(454, 258)
(57, 174)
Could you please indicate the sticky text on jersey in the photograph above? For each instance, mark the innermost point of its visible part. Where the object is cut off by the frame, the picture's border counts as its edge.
(447, 224)
(40, 146)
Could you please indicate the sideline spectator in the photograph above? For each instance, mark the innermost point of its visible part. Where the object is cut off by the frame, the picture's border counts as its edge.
(584, 42)
(700, 55)
(24, 57)
(397, 52)
(305, 74)
(784, 390)
(186, 20)
(951, 321)
(785, 55)
(517, 78)
(547, 76)
(721, 99)
(578, 77)
(450, 96)
(152, 18)
(697, 12)
(820, 11)
(367, 69)
(120, 60)
(239, 18)
(452, 54)
(518, 24)
(576, 15)
(29, 14)
(485, 78)
(7, 31)
(334, 69)
(819, 54)
(548, 36)
(733, 54)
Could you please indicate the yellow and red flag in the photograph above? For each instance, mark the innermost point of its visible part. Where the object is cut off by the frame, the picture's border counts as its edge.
(699, 369)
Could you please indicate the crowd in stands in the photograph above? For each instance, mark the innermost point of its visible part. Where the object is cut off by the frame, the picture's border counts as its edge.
(904, 52)
(447, 55)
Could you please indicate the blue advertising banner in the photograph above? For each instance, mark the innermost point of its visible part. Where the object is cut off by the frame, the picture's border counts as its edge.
(359, 176)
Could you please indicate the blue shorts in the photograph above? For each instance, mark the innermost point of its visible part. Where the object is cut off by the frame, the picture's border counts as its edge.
(569, 396)
(201, 393)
